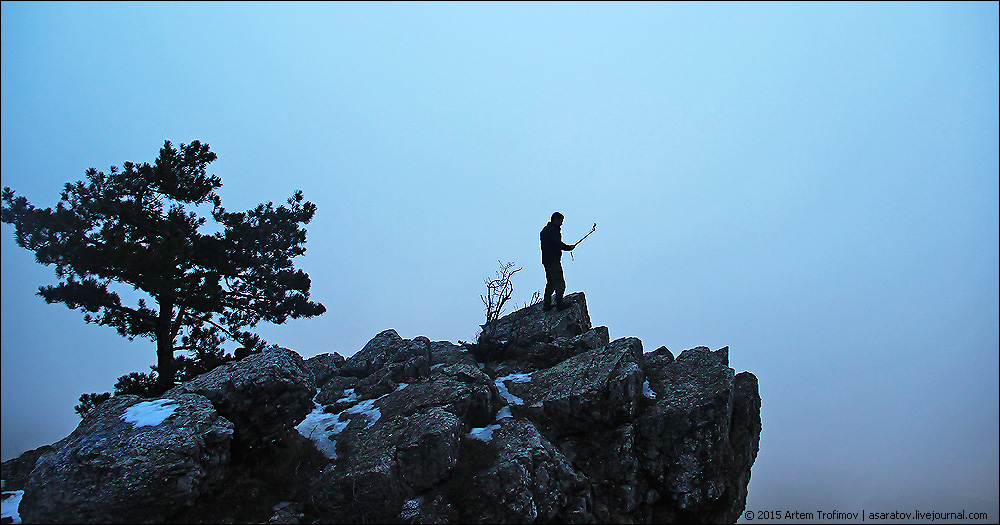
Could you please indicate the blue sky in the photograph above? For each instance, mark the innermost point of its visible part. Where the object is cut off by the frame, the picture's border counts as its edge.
(812, 185)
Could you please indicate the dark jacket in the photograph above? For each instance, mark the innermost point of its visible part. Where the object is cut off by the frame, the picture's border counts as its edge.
(552, 245)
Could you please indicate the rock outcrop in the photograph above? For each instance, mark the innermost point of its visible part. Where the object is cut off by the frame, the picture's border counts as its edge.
(130, 461)
(535, 338)
(543, 420)
(264, 395)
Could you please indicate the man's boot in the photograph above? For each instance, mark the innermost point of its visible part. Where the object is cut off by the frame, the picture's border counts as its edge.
(546, 306)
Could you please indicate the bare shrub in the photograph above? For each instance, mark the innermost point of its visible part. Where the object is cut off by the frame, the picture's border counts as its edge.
(498, 292)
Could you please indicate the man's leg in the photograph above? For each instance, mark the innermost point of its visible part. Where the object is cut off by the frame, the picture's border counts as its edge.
(559, 285)
(550, 286)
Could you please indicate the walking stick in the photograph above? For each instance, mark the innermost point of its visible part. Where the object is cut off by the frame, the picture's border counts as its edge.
(581, 240)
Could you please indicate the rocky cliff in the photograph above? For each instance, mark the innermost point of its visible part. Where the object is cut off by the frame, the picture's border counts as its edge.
(544, 420)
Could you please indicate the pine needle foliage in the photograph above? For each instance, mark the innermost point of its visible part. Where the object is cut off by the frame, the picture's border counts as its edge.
(138, 229)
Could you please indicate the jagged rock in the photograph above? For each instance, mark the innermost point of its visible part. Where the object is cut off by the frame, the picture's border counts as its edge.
(607, 458)
(460, 389)
(334, 389)
(444, 353)
(518, 334)
(401, 443)
(428, 449)
(374, 355)
(259, 484)
(408, 360)
(414, 359)
(381, 366)
(324, 366)
(124, 464)
(596, 389)
(656, 361)
(264, 395)
(540, 355)
(511, 474)
(633, 437)
(744, 437)
(386, 361)
(390, 460)
(15, 471)
(542, 420)
(686, 439)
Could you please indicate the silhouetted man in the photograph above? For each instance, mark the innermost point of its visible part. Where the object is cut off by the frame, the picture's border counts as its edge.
(552, 248)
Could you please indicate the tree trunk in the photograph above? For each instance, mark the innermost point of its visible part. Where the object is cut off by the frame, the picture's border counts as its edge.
(165, 366)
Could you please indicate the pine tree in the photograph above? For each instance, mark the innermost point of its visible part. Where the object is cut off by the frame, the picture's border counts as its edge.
(138, 226)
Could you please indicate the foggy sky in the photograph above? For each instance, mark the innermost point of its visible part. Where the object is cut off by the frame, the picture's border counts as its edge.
(812, 185)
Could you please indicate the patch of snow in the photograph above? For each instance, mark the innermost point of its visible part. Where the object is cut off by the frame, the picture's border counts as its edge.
(402, 386)
(486, 433)
(435, 367)
(150, 413)
(320, 427)
(517, 378)
(483, 433)
(349, 396)
(411, 508)
(647, 391)
(502, 387)
(367, 409)
(511, 398)
(10, 506)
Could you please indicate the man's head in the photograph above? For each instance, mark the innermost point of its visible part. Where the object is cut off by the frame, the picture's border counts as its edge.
(557, 218)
